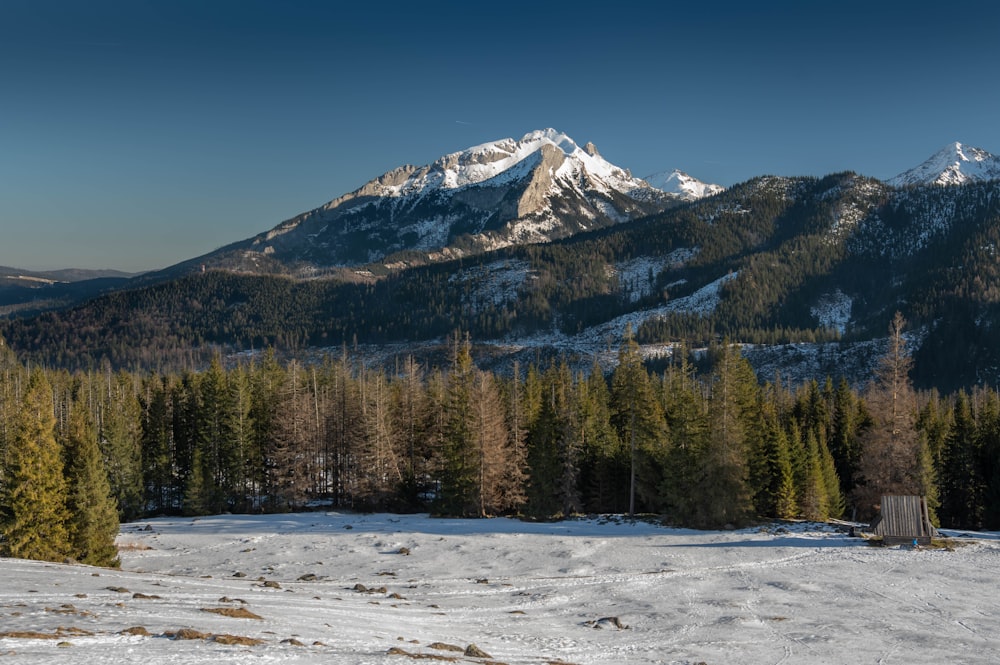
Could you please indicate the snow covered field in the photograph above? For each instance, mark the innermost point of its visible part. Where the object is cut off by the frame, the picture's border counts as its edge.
(354, 589)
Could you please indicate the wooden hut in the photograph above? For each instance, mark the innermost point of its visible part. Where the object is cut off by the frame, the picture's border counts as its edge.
(903, 520)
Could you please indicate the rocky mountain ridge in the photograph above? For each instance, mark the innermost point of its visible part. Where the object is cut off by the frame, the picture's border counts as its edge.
(536, 189)
(954, 164)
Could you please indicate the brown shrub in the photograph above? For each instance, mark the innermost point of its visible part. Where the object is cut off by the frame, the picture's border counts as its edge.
(136, 630)
(188, 634)
(237, 640)
(234, 612)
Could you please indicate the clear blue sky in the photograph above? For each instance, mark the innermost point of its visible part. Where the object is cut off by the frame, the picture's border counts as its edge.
(135, 134)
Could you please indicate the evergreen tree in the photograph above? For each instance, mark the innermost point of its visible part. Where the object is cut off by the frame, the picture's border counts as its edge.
(686, 411)
(639, 420)
(848, 420)
(158, 455)
(813, 501)
(119, 437)
(460, 459)
(959, 481)
(985, 483)
(93, 523)
(725, 496)
(545, 439)
(835, 503)
(34, 521)
(604, 472)
(771, 474)
(196, 499)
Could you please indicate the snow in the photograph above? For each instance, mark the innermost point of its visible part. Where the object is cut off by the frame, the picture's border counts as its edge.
(525, 593)
(485, 162)
(680, 183)
(955, 164)
(637, 276)
(703, 301)
(491, 284)
(833, 310)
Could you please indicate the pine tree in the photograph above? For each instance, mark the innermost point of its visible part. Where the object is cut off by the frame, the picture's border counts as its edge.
(724, 496)
(460, 459)
(638, 417)
(34, 524)
(686, 412)
(120, 437)
(605, 469)
(959, 481)
(196, 497)
(848, 420)
(217, 418)
(93, 523)
(813, 501)
(544, 439)
(771, 474)
(158, 457)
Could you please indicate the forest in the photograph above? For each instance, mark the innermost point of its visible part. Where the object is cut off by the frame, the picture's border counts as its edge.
(783, 244)
(702, 444)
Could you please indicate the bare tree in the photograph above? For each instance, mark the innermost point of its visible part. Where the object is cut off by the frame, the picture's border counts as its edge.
(891, 459)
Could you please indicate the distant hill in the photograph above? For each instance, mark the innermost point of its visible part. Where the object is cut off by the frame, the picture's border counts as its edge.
(26, 292)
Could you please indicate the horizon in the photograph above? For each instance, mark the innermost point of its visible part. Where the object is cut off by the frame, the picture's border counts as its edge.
(141, 135)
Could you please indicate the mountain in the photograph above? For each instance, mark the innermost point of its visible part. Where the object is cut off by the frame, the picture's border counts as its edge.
(25, 292)
(806, 272)
(538, 248)
(680, 183)
(508, 192)
(955, 164)
(62, 275)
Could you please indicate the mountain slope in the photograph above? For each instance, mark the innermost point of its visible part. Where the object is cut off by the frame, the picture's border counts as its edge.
(955, 164)
(770, 261)
(680, 183)
(536, 189)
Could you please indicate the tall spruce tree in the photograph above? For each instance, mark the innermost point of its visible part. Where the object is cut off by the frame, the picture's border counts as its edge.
(771, 466)
(459, 457)
(605, 470)
(638, 417)
(34, 524)
(686, 409)
(725, 496)
(93, 521)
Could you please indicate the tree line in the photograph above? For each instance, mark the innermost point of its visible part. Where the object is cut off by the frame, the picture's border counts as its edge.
(703, 444)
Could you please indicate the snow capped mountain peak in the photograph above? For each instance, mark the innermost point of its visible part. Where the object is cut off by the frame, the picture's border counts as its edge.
(680, 183)
(538, 188)
(553, 136)
(954, 164)
(480, 163)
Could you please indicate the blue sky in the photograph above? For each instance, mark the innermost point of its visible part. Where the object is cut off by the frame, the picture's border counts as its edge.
(136, 134)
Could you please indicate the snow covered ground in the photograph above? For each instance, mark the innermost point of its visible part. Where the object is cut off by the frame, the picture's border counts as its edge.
(355, 589)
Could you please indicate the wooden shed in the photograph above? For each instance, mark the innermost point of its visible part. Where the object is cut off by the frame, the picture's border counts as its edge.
(903, 520)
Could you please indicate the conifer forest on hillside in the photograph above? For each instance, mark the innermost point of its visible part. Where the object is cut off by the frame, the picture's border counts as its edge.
(702, 444)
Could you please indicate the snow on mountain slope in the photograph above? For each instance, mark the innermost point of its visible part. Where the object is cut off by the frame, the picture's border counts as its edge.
(955, 164)
(539, 188)
(680, 183)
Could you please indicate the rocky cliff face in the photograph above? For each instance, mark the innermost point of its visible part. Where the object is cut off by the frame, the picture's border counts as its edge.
(536, 189)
